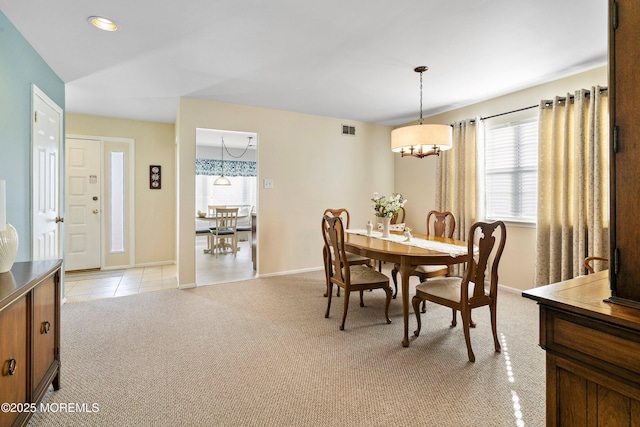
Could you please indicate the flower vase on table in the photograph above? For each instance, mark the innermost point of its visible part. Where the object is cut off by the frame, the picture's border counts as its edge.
(386, 223)
(385, 208)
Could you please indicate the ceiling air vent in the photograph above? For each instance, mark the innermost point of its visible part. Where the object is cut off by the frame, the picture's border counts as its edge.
(348, 130)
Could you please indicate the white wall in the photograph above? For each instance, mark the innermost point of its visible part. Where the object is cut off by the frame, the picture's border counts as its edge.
(416, 180)
(312, 165)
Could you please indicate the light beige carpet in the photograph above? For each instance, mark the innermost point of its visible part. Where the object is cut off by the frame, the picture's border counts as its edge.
(261, 353)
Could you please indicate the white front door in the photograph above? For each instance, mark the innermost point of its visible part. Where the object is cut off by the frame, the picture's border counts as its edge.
(46, 136)
(83, 183)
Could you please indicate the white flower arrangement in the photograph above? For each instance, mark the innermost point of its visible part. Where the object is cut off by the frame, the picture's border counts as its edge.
(386, 207)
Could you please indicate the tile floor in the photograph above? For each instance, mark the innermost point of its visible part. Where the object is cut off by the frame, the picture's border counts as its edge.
(86, 285)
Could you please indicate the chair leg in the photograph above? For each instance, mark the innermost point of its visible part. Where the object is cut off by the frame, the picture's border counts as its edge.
(424, 306)
(346, 307)
(329, 293)
(389, 293)
(415, 301)
(454, 322)
(235, 245)
(394, 276)
(466, 317)
(492, 309)
(361, 299)
(327, 271)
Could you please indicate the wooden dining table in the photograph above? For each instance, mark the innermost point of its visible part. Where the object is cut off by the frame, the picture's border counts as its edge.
(407, 256)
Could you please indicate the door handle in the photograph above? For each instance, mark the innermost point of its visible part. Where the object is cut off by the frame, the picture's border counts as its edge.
(95, 211)
(59, 219)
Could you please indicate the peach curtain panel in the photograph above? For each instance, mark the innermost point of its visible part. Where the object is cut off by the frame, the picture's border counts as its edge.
(459, 175)
(573, 184)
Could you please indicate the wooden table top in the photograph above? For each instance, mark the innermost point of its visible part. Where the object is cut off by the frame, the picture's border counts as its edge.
(586, 295)
(389, 251)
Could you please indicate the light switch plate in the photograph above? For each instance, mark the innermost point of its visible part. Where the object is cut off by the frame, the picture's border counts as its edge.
(268, 183)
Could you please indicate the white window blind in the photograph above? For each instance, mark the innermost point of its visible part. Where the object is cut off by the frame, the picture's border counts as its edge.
(511, 171)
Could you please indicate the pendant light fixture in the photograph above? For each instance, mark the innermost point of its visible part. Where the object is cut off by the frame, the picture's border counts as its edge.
(421, 140)
(222, 180)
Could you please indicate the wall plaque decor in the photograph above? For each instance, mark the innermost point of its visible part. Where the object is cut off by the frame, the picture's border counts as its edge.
(154, 177)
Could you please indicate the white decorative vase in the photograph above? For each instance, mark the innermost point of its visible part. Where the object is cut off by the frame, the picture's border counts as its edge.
(8, 248)
(386, 221)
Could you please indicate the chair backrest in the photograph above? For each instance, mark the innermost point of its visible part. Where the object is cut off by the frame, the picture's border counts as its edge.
(588, 263)
(490, 238)
(342, 213)
(440, 222)
(397, 218)
(211, 209)
(333, 234)
(226, 220)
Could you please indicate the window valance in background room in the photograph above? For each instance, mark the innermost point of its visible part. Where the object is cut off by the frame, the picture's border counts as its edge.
(231, 167)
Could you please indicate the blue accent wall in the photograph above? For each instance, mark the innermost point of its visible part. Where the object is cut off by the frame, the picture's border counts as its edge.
(20, 67)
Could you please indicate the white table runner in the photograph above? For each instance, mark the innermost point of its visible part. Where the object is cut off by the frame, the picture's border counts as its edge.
(447, 248)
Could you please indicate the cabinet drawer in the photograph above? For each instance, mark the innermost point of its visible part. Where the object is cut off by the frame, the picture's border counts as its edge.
(13, 358)
(606, 346)
(44, 327)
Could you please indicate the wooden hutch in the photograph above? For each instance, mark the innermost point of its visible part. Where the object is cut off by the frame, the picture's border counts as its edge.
(590, 325)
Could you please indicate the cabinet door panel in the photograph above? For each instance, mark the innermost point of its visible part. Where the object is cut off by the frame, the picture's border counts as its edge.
(44, 325)
(13, 346)
(572, 397)
(614, 409)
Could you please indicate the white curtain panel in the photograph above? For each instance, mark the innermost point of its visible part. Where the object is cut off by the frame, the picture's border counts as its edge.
(457, 172)
(573, 184)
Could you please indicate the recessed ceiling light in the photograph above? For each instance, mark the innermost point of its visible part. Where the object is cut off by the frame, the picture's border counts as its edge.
(103, 23)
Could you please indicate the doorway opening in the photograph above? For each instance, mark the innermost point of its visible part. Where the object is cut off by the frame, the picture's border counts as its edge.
(235, 158)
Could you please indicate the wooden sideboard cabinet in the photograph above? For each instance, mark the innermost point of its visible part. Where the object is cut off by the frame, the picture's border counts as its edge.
(29, 337)
(624, 103)
(593, 353)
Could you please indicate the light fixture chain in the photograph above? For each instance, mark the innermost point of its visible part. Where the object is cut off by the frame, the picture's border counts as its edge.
(243, 153)
(420, 97)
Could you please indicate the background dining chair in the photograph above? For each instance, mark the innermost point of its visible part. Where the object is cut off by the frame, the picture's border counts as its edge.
(352, 259)
(439, 224)
(398, 217)
(479, 285)
(589, 262)
(244, 223)
(211, 209)
(349, 277)
(224, 233)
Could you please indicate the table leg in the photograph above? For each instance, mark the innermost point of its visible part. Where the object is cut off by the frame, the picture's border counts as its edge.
(405, 273)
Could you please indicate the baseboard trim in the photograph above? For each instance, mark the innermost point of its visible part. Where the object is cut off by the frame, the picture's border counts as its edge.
(284, 273)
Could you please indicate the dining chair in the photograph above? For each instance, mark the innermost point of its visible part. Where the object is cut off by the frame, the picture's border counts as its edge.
(439, 224)
(352, 259)
(477, 288)
(224, 233)
(588, 263)
(349, 277)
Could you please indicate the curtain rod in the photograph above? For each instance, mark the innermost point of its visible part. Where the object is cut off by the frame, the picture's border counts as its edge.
(601, 89)
(510, 112)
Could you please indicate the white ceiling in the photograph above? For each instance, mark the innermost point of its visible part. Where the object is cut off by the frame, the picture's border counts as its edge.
(348, 59)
